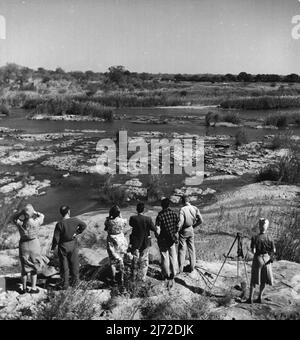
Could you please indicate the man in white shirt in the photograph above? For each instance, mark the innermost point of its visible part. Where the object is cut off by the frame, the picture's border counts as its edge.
(189, 218)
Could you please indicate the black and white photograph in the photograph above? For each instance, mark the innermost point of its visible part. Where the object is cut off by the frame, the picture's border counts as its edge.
(149, 162)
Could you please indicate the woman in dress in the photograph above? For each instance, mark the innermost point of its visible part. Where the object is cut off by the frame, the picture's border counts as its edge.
(28, 222)
(263, 248)
(117, 244)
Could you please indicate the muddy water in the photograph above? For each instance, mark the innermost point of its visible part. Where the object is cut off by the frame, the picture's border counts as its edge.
(80, 190)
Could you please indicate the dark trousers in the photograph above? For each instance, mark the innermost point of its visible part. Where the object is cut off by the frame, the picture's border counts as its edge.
(69, 263)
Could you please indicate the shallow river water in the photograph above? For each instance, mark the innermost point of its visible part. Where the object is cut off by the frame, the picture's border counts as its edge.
(81, 190)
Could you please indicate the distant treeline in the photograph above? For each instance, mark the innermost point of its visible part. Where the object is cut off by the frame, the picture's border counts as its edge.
(119, 77)
(241, 77)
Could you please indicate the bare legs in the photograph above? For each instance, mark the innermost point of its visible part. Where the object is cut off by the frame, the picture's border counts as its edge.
(33, 281)
(114, 267)
(251, 294)
(113, 272)
(24, 282)
(261, 291)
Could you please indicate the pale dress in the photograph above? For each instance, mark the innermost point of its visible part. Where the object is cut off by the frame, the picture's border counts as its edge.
(116, 243)
(261, 267)
(29, 247)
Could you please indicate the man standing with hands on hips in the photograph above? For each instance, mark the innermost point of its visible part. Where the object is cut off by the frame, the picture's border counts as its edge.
(65, 237)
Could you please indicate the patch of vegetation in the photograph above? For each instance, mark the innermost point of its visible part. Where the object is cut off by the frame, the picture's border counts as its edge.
(113, 194)
(270, 173)
(61, 106)
(33, 103)
(134, 289)
(281, 141)
(288, 244)
(154, 188)
(4, 110)
(291, 315)
(295, 119)
(286, 170)
(141, 99)
(231, 117)
(211, 118)
(17, 99)
(241, 138)
(72, 304)
(278, 120)
(176, 308)
(8, 206)
(262, 102)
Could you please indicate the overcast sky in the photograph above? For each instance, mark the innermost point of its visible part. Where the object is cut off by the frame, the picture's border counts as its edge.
(175, 36)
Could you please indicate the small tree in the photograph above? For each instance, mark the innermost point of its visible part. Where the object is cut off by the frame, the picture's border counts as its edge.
(117, 74)
(241, 138)
(4, 110)
(244, 77)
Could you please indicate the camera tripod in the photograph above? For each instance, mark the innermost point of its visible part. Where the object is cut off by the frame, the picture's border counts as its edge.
(240, 256)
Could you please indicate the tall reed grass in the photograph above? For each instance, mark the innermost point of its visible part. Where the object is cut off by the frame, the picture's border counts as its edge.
(261, 102)
(143, 99)
(66, 106)
(286, 170)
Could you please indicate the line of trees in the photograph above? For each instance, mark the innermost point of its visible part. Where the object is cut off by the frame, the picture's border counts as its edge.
(241, 77)
(121, 77)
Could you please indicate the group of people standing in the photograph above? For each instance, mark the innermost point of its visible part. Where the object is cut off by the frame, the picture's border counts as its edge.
(66, 231)
(169, 229)
(175, 238)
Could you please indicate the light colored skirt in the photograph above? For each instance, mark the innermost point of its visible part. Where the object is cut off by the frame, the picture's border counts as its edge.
(30, 257)
(261, 272)
(117, 246)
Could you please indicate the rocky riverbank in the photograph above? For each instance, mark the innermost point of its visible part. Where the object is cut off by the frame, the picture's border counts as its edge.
(225, 301)
(74, 152)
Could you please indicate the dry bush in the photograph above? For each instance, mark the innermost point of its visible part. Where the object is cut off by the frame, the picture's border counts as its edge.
(231, 117)
(241, 138)
(288, 243)
(111, 194)
(278, 120)
(72, 304)
(281, 141)
(286, 170)
(176, 308)
(8, 206)
(211, 118)
(154, 188)
(4, 110)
